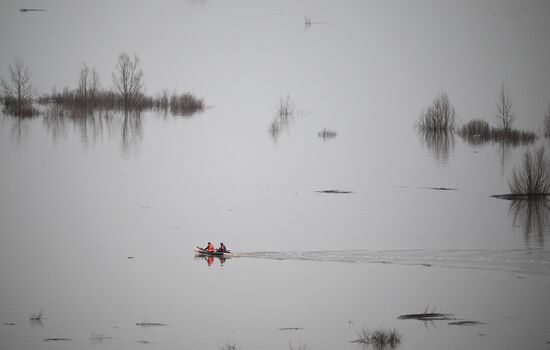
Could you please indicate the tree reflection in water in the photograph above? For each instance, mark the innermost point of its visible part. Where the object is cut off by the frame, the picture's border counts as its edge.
(440, 143)
(532, 215)
(94, 124)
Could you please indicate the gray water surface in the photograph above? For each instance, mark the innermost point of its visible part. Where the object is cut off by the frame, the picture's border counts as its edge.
(99, 215)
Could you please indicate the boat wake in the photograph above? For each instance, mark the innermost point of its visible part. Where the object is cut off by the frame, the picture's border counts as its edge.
(524, 261)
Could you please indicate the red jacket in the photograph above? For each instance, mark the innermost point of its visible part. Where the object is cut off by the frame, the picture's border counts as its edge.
(210, 248)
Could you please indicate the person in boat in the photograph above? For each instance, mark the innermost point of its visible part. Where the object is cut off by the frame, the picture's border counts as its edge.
(222, 248)
(210, 248)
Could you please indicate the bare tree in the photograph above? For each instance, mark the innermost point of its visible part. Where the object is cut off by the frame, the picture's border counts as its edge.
(505, 115)
(88, 84)
(17, 91)
(94, 85)
(83, 82)
(127, 79)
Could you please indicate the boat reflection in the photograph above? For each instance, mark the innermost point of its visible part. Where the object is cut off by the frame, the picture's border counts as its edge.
(210, 260)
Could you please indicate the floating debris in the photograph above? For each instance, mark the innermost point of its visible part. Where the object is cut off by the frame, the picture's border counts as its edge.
(31, 10)
(290, 329)
(466, 323)
(427, 316)
(57, 339)
(334, 191)
(440, 188)
(150, 324)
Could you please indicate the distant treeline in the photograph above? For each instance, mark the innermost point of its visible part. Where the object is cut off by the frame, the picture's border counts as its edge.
(127, 91)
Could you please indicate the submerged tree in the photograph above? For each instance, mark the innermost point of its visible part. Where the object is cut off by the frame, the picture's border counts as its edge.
(17, 91)
(505, 115)
(439, 116)
(533, 178)
(88, 84)
(127, 79)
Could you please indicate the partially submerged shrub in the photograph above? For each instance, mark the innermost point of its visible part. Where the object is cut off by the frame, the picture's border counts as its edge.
(533, 177)
(285, 109)
(285, 114)
(36, 316)
(379, 338)
(440, 115)
(327, 134)
(477, 131)
(512, 136)
(229, 346)
(18, 109)
(185, 104)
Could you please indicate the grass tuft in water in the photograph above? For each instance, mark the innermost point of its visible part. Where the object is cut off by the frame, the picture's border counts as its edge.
(379, 338)
(326, 134)
(36, 316)
(229, 346)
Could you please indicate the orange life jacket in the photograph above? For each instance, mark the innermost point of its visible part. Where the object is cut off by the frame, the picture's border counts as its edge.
(210, 247)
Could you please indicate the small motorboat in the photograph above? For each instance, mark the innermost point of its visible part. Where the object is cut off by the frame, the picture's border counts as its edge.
(202, 251)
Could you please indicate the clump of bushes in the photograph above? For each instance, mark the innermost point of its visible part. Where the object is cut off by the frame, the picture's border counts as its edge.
(185, 104)
(477, 131)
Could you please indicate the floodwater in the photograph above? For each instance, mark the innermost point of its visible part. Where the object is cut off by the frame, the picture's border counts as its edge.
(99, 215)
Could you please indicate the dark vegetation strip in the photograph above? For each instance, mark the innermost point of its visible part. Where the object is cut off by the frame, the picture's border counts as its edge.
(440, 188)
(427, 316)
(466, 323)
(477, 132)
(334, 191)
(291, 329)
(150, 324)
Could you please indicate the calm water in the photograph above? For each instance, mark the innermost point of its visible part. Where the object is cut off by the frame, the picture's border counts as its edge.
(80, 196)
